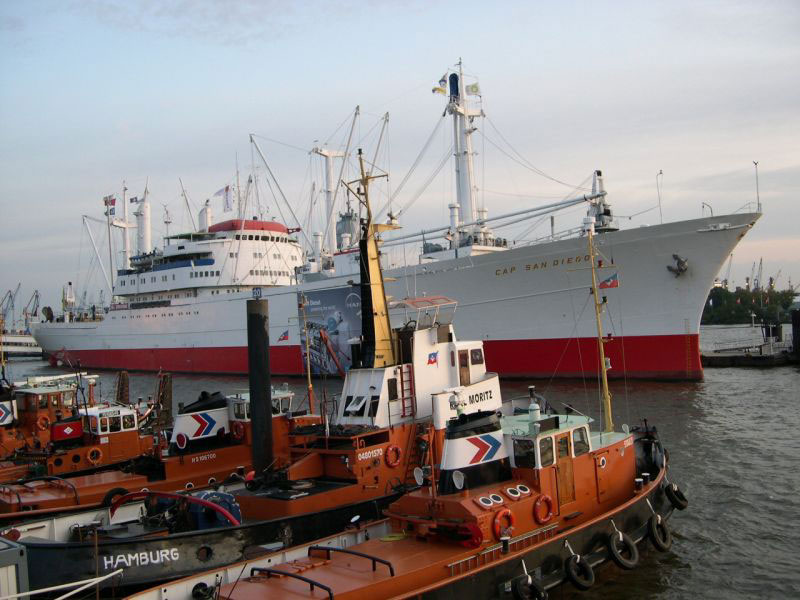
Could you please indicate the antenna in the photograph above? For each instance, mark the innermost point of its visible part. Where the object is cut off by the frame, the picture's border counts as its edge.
(758, 197)
(658, 189)
(167, 219)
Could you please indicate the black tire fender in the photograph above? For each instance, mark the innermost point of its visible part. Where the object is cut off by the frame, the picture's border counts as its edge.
(618, 543)
(676, 497)
(112, 495)
(579, 572)
(528, 588)
(659, 533)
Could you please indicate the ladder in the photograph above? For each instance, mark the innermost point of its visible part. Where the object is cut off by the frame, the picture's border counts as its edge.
(407, 396)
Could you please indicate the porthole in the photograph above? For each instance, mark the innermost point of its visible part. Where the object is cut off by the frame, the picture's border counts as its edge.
(496, 498)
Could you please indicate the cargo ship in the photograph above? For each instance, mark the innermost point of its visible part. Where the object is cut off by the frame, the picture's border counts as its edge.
(179, 307)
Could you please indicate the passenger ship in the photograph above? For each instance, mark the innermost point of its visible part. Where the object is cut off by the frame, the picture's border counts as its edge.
(179, 308)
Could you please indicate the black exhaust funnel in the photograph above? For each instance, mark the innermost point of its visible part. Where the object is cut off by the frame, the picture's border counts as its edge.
(260, 383)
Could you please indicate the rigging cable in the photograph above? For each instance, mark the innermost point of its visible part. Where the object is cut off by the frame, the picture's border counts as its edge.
(413, 167)
(522, 160)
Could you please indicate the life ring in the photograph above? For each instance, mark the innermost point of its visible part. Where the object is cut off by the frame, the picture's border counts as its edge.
(579, 572)
(43, 423)
(618, 543)
(94, 455)
(659, 533)
(676, 496)
(237, 429)
(398, 454)
(498, 521)
(541, 519)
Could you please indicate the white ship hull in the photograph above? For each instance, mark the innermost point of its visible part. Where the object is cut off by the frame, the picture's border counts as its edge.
(529, 305)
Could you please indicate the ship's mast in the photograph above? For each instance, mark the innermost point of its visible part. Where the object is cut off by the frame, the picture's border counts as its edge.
(377, 346)
(608, 423)
(462, 144)
(330, 188)
(126, 238)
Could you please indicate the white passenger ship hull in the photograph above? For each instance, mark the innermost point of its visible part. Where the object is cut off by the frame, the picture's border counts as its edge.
(529, 305)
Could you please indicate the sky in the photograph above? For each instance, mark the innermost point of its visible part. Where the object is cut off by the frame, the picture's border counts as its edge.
(154, 92)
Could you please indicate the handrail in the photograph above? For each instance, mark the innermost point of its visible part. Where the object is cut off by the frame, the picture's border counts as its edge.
(309, 581)
(374, 559)
(50, 479)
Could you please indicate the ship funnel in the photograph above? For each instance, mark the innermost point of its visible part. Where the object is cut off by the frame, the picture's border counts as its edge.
(473, 448)
(206, 219)
(260, 383)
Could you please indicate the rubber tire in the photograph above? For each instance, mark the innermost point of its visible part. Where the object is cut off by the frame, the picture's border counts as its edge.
(659, 534)
(528, 588)
(579, 572)
(676, 496)
(111, 495)
(202, 591)
(615, 552)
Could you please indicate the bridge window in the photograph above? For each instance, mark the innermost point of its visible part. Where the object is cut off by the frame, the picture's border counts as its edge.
(580, 441)
(237, 236)
(355, 405)
(128, 422)
(546, 452)
(103, 424)
(476, 356)
(114, 424)
(391, 385)
(525, 453)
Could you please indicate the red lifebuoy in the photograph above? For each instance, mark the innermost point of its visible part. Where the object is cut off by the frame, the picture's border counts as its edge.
(392, 462)
(541, 519)
(94, 455)
(43, 423)
(498, 521)
(237, 429)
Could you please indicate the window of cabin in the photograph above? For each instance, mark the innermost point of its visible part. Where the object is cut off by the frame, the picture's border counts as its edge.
(43, 401)
(237, 236)
(128, 422)
(580, 441)
(476, 356)
(563, 446)
(391, 385)
(217, 273)
(249, 237)
(239, 411)
(93, 424)
(525, 453)
(115, 424)
(546, 451)
(355, 406)
(374, 402)
(103, 424)
(452, 359)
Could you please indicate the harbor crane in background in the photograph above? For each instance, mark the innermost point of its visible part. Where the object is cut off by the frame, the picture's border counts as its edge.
(31, 310)
(7, 306)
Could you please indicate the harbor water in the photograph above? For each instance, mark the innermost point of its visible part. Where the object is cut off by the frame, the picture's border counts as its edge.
(733, 441)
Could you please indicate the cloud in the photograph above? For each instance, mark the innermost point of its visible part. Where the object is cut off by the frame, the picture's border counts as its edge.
(11, 24)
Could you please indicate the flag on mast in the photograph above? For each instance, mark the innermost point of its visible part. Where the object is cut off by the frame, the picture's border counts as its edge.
(227, 195)
(611, 282)
(109, 202)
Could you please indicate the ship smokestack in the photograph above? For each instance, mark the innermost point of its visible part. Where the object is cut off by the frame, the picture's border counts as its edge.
(260, 383)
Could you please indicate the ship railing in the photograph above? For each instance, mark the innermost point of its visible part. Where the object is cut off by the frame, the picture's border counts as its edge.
(277, 572)
(490, 553)
(374, 559)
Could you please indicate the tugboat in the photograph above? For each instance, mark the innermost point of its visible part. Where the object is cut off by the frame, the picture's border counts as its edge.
(352, 464)
(520, 504)
(210, 442)
(30, 408)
